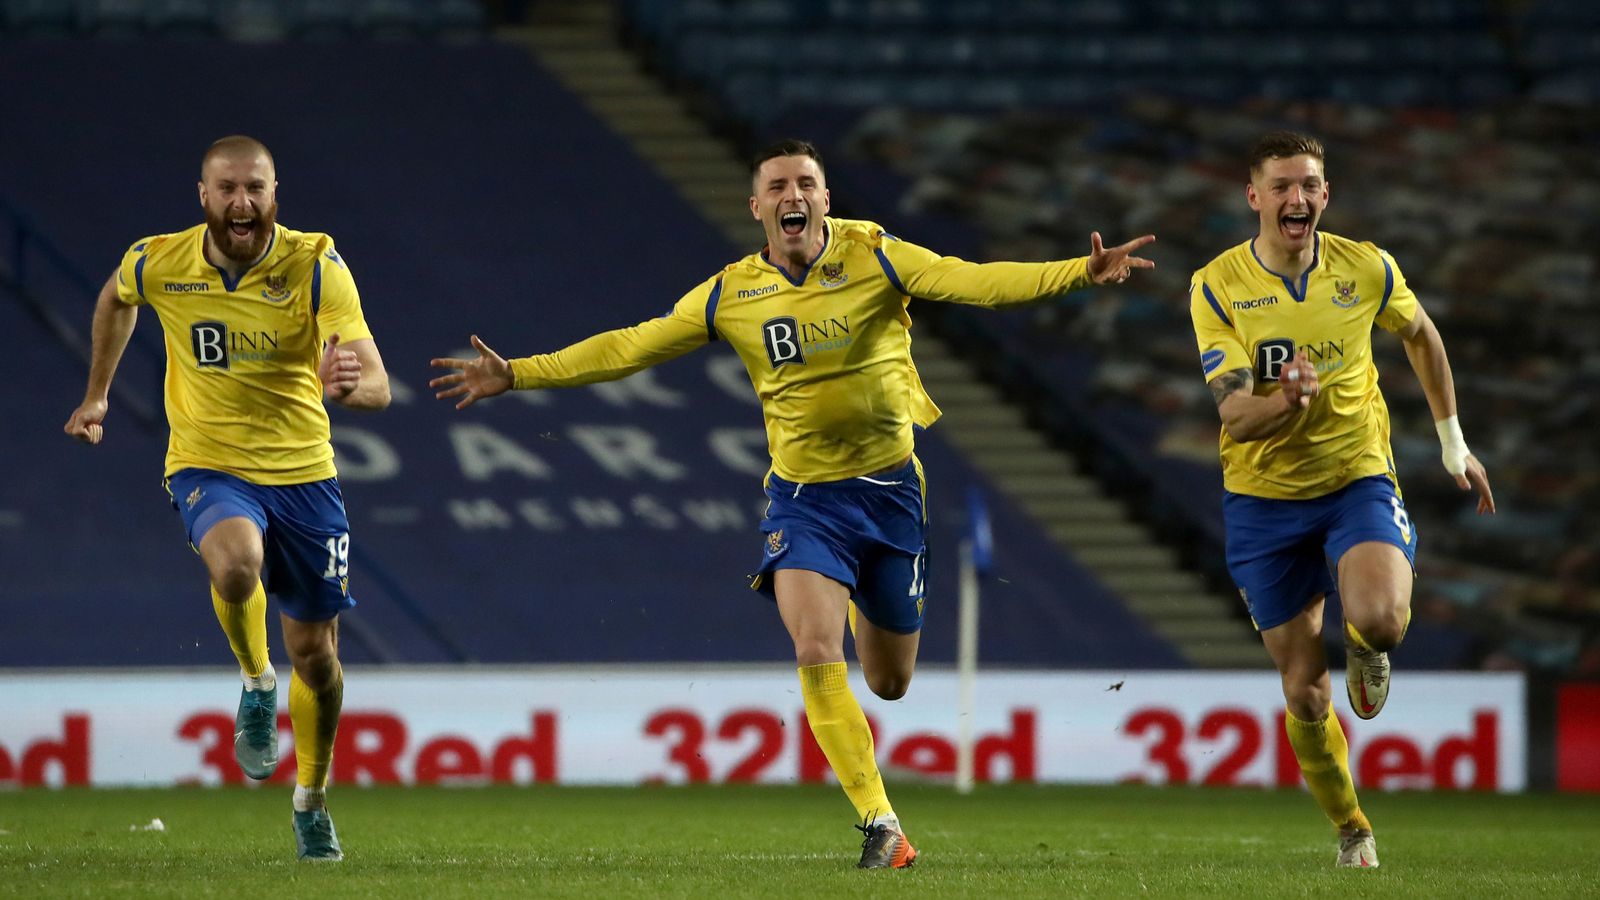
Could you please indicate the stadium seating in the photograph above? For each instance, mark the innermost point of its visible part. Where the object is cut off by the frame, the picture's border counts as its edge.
(590, 525)
(245, 20)
(1038, 122)
(982, 54)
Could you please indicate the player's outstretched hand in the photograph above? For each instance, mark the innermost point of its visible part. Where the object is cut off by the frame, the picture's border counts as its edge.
(1476, 479)
(84, 424)
(1114, 266)
(1299, 381)
(340, 370)
(486, 376)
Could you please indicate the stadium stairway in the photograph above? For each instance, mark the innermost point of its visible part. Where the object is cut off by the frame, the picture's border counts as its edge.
(576, 41)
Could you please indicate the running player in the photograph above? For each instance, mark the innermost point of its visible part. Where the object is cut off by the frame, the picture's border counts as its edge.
(262, 324)
(1284, 323)
(819, 319)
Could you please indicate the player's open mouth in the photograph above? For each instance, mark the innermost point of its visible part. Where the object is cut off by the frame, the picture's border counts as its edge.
(1295, 225)
(792, 222)
(242, 227)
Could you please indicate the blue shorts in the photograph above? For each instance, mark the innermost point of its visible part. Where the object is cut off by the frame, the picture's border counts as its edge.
(305, 535)
(869, 534)
(1284, 553)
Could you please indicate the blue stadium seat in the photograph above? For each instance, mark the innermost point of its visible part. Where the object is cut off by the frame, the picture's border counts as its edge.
(878, 14)
(1563, 13)
(750, 96)
(111, 18)
(181, 16)
(754, 14)
(1048, 14)
(255, 20)
(695, 14)
(1553, 47)
(833, 50)
(392, 18)
(458, 18)
(323, 21)
(1018, 52)
(39, 17)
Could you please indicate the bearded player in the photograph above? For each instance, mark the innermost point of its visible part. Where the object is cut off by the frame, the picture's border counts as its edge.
(262, 324)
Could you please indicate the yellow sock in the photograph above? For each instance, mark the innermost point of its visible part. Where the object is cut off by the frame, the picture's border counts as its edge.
(245, 624)
(842, 732)
(1324, 757)
(315, 715)
(1355, 637)
(1360, 641)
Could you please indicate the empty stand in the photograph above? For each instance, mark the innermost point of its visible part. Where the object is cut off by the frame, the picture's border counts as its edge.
(608, 524)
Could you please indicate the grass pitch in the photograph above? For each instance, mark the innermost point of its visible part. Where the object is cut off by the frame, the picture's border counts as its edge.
(1006, 841)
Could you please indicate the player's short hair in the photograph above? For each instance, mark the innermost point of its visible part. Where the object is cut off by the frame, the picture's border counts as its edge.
(788, 147)
(1282, 145)
(235, 144)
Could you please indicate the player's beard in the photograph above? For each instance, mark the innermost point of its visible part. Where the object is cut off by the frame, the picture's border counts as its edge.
(242, 249)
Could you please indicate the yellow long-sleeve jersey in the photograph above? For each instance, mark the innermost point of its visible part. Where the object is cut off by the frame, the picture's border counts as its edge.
(829, 352)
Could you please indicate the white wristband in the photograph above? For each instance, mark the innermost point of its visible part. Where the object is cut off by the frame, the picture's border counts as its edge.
(1453, 445)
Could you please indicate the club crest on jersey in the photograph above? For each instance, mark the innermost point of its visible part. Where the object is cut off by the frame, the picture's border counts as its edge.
(277, 289)
(1344, 294)
(833, 275)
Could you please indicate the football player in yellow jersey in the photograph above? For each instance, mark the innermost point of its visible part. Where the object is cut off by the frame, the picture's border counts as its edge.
(819, 319)
(1284, 324)
(262, 324)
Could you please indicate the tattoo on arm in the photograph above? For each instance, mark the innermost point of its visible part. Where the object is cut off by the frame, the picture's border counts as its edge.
(1230, 382)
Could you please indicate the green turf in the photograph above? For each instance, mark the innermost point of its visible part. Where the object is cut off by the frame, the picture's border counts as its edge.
(1000, 842)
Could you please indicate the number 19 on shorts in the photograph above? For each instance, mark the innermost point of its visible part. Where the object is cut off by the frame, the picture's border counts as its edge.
(338, 556)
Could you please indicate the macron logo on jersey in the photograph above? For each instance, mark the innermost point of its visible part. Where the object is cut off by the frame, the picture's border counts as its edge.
(185, 287)
(757, 292)
(1257, 302)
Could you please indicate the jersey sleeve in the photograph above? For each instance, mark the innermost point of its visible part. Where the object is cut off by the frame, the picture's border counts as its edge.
(1220, 348)
(624, 351)
(919, 272)
(130, 273)
(335, 299)
(1399, 305)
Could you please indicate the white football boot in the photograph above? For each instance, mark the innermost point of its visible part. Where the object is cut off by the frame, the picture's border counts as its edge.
(1357, 849)
(1366, 678)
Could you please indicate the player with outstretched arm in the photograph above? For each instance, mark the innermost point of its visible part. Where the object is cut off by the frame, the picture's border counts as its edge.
(819, 319)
